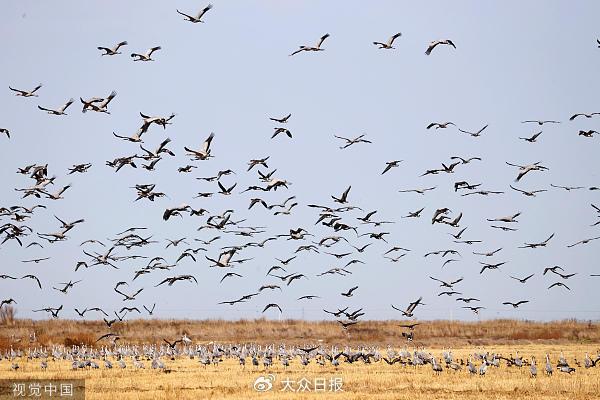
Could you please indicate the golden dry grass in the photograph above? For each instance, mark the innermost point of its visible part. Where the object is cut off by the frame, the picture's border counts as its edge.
(189, 380)
(429, 333)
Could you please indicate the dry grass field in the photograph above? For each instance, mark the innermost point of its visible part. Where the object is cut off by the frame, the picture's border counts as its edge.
(428, 333)
(188, 379)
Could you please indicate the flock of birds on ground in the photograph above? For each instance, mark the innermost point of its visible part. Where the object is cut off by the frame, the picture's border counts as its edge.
(268, 356)
(352, 229)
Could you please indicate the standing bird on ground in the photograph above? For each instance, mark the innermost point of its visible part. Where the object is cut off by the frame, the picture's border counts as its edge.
(533, 368)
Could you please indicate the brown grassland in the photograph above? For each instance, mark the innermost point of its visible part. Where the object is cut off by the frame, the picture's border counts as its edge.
(429, 333)
(188, 379)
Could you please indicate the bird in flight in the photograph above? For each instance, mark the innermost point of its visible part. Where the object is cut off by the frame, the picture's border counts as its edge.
(588, 133)
(391, 164)
(584, 241)
(440, 125)
(540, 122)
(536, 245)
(531, 193)
(558, 284)
(283, 120)
(59, 111)
(522, 280)
(343, 199)
(272, 305)
(533, 138)
(350, 291)
(567, 188)
(476, 133)
(312, 48)
(112, 51)
(27, 93)
(146, 56)
(350, 142)
(389, 44)
(583, 115)
(410, 309)
(517, 304)
(436, 43)
(419, 191)
(198, 17)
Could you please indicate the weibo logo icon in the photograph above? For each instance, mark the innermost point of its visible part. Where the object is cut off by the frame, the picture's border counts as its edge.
(264, 383)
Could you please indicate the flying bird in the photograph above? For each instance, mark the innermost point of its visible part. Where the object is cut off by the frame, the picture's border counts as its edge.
(343, 199)
(476, 133)
(540, 122)
(522, 280)
(533, 138)
(198, 17)
(517, 304)
(391, 164)
(350, 142)
(584, 241)
(558, 284)
(312, 48)
(411, 307)
(283, 120)
(112, 51)
(59, 111)
(583, 115)
(272, 305)
(440, 125)
(536, 245)
(146, 56)
(435, 43)
(389, 44)
(350, 291)
(27, 93)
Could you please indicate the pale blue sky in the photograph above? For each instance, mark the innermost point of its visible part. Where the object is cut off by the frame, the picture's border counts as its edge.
(514, 61)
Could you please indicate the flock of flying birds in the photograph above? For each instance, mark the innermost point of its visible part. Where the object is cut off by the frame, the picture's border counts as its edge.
(351, 230)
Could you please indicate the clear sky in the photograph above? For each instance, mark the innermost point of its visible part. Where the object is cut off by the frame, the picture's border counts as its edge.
(514, 61)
